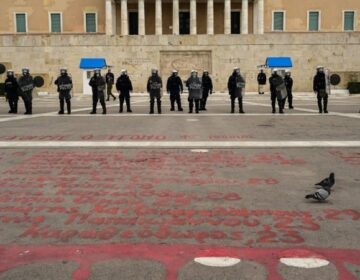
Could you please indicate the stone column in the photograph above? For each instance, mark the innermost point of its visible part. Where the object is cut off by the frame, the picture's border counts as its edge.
(244, 17)
(260, 16)
(124, 18)
(210, 17)
(158, 17)
(114, 16)
(227, 17)
(193, 30)
(141, 8)
(175, 24)
(109, 23)
(255, 16)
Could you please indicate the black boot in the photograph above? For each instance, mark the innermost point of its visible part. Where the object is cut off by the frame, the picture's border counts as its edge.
(241, 109)
(232, 106)
(128, 108)
(197, 106)
(325, 105)
(159, 106)
(68, 106)
(152, 107)
(15, 107)
(320, 106)
(191, 106)
(61, 112)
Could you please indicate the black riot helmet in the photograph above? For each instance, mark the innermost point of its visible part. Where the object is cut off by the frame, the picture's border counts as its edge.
(10, 73)
(206, 73)
(63, 72)
(174, 72)
(97, 72)
(25, 71)
(154, 72)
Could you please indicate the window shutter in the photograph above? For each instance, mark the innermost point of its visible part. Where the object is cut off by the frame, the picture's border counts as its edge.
(90, 23)
(20, 23)
(349, 18)
(314, 21)
(55, 23)
(278, 21)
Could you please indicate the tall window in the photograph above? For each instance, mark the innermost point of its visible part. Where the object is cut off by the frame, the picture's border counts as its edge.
(278, 21)
(21, 24)
(90, 22)
(184, 22)
(133, 23)
(349, 20)
(314, 21)
(55, 22)
(235, 22)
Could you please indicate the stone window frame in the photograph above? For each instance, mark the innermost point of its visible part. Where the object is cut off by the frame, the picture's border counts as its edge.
(354, 23)
(61, 22)
(26, 22)
(273, 20)
(96, 21)
(308, 20)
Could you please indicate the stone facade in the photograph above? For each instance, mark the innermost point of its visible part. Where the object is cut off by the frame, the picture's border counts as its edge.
(45, 54)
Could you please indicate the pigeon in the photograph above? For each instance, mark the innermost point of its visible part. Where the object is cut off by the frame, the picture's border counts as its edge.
(321, 194)
(327, 182)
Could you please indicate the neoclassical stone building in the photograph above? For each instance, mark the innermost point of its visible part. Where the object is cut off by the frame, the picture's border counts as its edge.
(184, 34)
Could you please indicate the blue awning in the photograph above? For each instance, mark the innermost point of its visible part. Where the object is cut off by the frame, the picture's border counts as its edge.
(92, 63)
(278, 62)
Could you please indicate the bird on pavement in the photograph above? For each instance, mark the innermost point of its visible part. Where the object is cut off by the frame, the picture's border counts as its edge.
(320, 194)
(327, 182)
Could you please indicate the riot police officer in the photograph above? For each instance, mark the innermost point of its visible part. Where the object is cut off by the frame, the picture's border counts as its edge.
(154, 86)
(207, 88)
(261, 78)
(64, 86)
(97, 83)
(236, 87)
(277, 87)
(174, 87)
(195, 91)
(11, 90)
(110, 80)
(319, 87)
(124, 87)
(289, 84)
(26, 85)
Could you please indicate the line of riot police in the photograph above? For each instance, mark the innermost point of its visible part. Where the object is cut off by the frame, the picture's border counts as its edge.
(199, 90)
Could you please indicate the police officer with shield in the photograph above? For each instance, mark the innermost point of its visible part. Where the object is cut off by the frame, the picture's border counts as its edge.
(278, 91)
(194, 85)
(98, 85)
(26, 85)
(174, 87)
(64, 86)
(124, 87)
(236, 87)
(207, 88)
(154, 86)
(11, 91)
(319, 87)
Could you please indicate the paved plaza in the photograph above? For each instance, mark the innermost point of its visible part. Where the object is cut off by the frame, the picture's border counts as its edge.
(180, 196)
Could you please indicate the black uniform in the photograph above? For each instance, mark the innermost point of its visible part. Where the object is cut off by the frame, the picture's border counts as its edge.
(207, 88)
(289, 84)
(195, 93)
(276, 81)
(11, 90)
(154, 86)
(26, 85)
(110, 80)
(98, 85)
(261, 78)
(174, 86)
(124, 86)
(319, 86)
(64, 86)
(236, 84)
